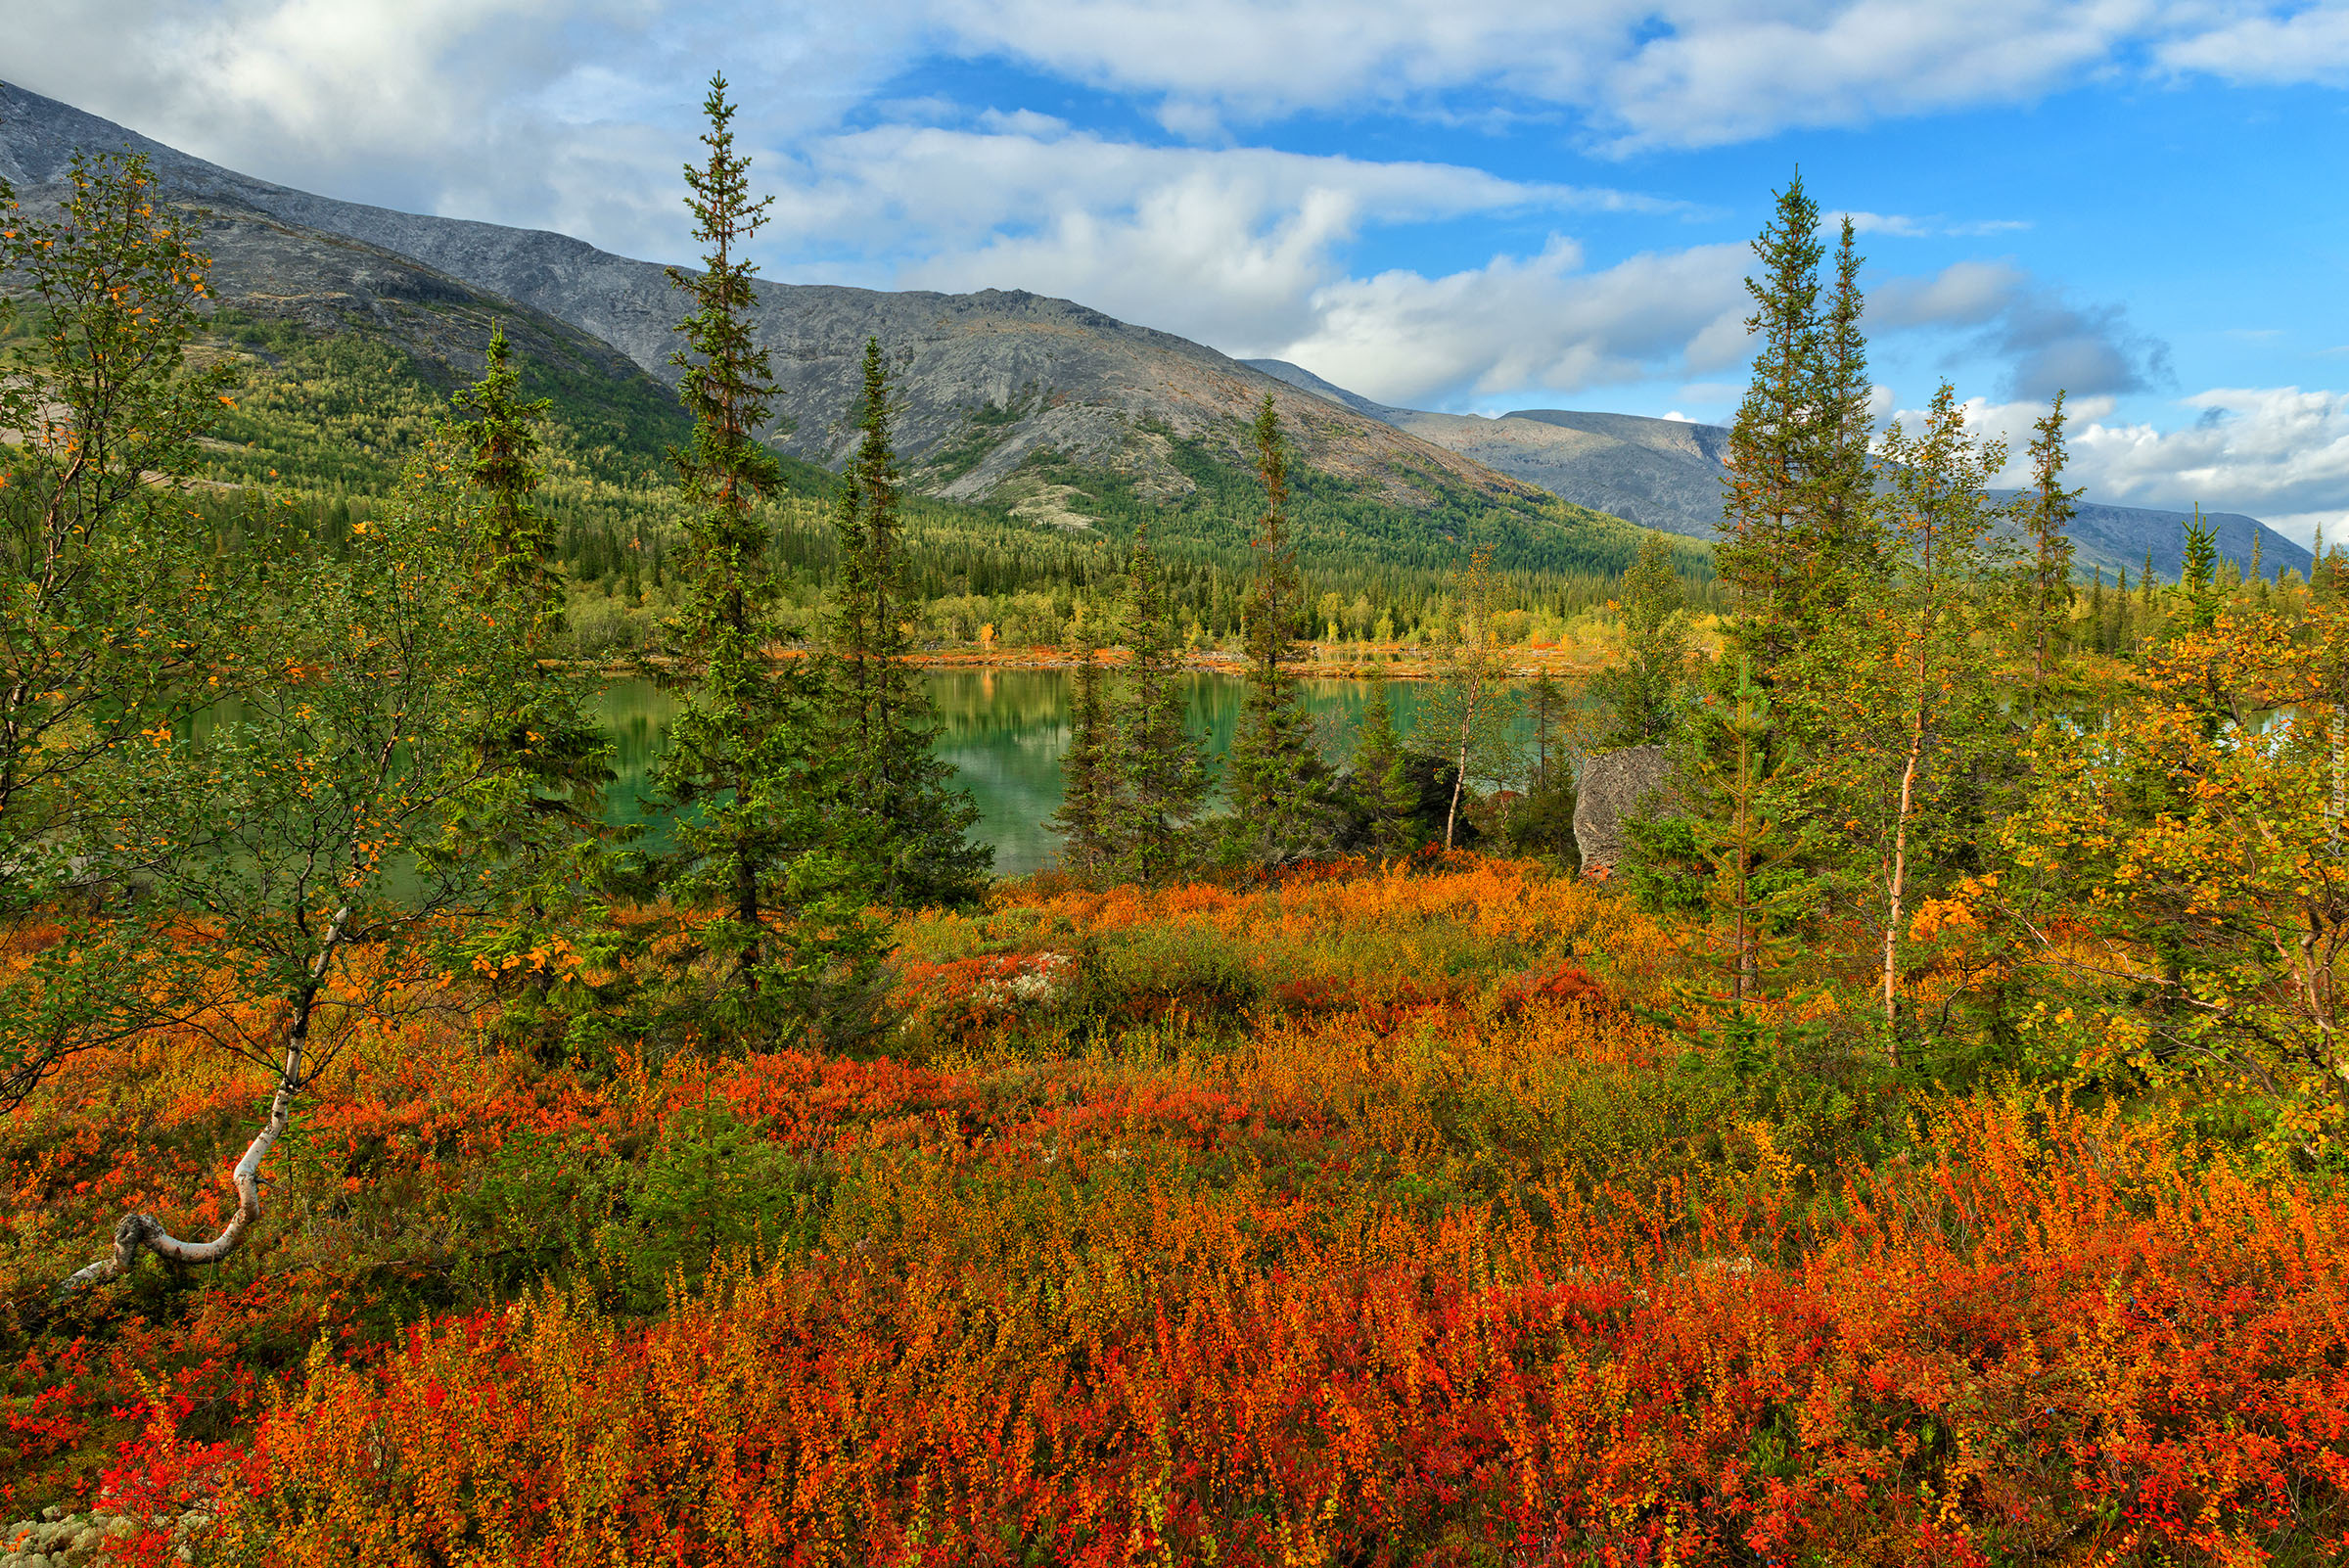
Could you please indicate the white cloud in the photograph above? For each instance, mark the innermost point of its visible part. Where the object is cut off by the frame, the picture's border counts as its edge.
(2277, 454)
(1526, 323)
(1901, 226)
(1679, 73)
(2047, 341)
(2281, 44)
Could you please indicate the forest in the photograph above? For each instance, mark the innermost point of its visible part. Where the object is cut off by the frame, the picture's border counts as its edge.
(1919, 1139)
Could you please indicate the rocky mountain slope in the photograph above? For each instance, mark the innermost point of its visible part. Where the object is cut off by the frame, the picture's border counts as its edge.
(1666, 473)
(992, 382)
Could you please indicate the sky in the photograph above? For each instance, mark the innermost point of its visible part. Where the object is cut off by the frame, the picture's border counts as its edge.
(1439, 205)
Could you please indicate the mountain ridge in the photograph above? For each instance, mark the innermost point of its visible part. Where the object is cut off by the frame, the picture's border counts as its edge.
(1078, 382)
(1665, 474)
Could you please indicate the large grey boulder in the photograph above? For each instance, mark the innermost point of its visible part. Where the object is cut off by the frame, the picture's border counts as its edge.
(1614, 785)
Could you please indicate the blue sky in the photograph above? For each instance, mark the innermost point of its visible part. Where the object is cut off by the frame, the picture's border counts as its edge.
(2137, 200)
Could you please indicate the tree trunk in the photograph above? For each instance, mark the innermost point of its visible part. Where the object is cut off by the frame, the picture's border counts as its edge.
(137, 1230)
(1459, 777)
(1900, 877)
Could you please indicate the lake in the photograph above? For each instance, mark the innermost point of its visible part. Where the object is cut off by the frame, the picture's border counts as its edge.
(1004, 731)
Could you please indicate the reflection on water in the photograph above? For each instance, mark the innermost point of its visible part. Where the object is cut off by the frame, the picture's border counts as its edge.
(1004, 731)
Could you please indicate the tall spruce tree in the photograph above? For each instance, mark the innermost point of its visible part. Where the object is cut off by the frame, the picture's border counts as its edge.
(2048, 509)
(745, 767)
(1770, 503)
(1086, 820)
(1847, 554)
(903, 818)
(501, 444)
(547, 759)
(2198, 578)
(1160, 771)
(1276, 784)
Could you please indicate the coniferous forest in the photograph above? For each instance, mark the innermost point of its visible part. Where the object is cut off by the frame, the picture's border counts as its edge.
(1903, 1123)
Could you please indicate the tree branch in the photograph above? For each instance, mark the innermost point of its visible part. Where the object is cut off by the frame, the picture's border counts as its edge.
(137, 1230)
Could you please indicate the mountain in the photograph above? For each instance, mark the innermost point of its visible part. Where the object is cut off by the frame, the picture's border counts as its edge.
(1666, 473)
(1063, 416)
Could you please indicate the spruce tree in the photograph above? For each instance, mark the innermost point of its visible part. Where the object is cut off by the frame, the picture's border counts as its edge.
(1640, 689)
(2048, 509)
(1720, 845)
(903, 818)
(743, 771)
(2197, 582)
(1770, 500)
(1847, 554)
(501, 444)
(1087, 814)
(1386, 797)
(1160, 771)
(1276, 784)
(548, 760)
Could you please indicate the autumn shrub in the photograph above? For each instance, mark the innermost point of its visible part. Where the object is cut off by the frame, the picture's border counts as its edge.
(1444, 1237)
(2051, 1335)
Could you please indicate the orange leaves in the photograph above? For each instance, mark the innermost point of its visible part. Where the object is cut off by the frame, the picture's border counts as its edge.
(1976, 1363)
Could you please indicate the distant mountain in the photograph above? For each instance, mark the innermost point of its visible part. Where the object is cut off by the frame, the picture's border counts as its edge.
(1666, 473)
(1065, 415)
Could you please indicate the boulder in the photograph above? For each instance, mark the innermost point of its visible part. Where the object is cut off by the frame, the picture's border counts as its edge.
(1614, 785)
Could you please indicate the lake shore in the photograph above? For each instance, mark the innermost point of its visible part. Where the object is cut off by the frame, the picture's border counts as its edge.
(1347, 662)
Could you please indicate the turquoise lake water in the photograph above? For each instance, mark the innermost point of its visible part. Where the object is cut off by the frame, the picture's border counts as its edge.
(1004, 731)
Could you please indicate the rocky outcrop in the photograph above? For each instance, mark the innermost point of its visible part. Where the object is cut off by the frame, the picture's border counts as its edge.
(1614, 785)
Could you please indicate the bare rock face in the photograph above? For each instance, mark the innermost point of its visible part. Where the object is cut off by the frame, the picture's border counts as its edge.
(1614, 785)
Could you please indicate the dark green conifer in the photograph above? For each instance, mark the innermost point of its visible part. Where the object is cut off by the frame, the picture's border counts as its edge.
(1087, 814)
(903, 818)
(745, 766)
(502, 446)
(2048, 509)
(1848, 552)
(1541, 820)
(1158, 766)
(1275, 782)
(2198, 584)
(1770, 500)
(1386, 797)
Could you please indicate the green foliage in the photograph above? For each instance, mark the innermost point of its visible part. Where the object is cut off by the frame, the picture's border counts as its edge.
(1723, 847)
(2048, 511)
(787, 940)
(1383, 795)
(1158, 767)
(501, 450)
(1469, 721)
(2197, 582)
(1541, 820)
(1276, 784)
(104, 599)
(903, 818)
(1642, 692)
